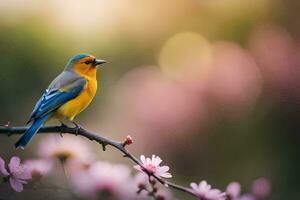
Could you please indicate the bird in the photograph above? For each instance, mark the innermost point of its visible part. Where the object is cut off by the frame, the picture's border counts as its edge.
(67, 95)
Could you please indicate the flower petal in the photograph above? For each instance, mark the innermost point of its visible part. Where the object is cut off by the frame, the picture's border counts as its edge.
(166, 175)
(16, 185)
(38, 167)
(26, 173)
(156, 160)
(3, 170)
(148, 161)
(194, 186)
(204, 191)
(163, 169)
(143, 159)
(204, 186)
(13, 163)
(234, 190)
(213, 194)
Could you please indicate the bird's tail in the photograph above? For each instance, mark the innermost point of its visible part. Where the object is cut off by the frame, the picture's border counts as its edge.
(28, 135)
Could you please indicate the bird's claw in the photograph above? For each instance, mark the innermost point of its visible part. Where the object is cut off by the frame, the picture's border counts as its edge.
(61, 131)
(77, 127)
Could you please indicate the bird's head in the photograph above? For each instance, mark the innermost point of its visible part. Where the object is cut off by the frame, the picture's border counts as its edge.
(84, 64)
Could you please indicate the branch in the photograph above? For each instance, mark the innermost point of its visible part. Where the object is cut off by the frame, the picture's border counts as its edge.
(103, 141)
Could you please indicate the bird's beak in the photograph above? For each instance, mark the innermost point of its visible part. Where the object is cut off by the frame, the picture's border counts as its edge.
(98, 62)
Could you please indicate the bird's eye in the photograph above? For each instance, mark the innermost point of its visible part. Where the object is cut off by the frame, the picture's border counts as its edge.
(87, 62)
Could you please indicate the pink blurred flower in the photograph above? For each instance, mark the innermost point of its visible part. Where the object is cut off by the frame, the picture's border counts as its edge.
(261, 188)
(142, 181)
(17, 173)
(247, 197)
(64, 148)
(151, 165)
(39, 167)
(276, 65)
(205, 192)
(277, 54)
(164, 194)
(105, 180)
(234, 81)
(2, 167)
(233, 190)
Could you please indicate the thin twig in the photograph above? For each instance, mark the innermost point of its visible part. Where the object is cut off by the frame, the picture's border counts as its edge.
(103, 141)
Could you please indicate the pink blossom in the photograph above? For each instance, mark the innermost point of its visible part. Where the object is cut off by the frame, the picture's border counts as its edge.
(102, 178)
(233, 190)
(17, 173)
(2, 167)
(247, 197)
(261, 188)
(39, 167)
(164, 194)
(128, 140)
(279, 65)
(152, 166)
(205, 192)
(142, 181)
(234, 81)
(142, 184)
(63, 148)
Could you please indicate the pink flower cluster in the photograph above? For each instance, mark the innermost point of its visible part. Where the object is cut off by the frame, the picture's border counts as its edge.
(260, 189)
(102, 180)
(95, 179)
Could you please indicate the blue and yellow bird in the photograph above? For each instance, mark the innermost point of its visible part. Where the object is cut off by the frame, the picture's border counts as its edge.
(67, 95)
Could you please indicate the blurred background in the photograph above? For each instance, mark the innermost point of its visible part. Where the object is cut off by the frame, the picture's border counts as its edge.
(211, 86)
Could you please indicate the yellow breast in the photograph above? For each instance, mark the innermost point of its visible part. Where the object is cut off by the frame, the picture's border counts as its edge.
(72, 108)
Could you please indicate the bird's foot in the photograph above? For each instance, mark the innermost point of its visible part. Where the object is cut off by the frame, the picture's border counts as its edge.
(61, 131)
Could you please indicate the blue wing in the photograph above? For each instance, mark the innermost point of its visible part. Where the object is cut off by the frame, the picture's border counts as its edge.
(53, 98)
(65, 87)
